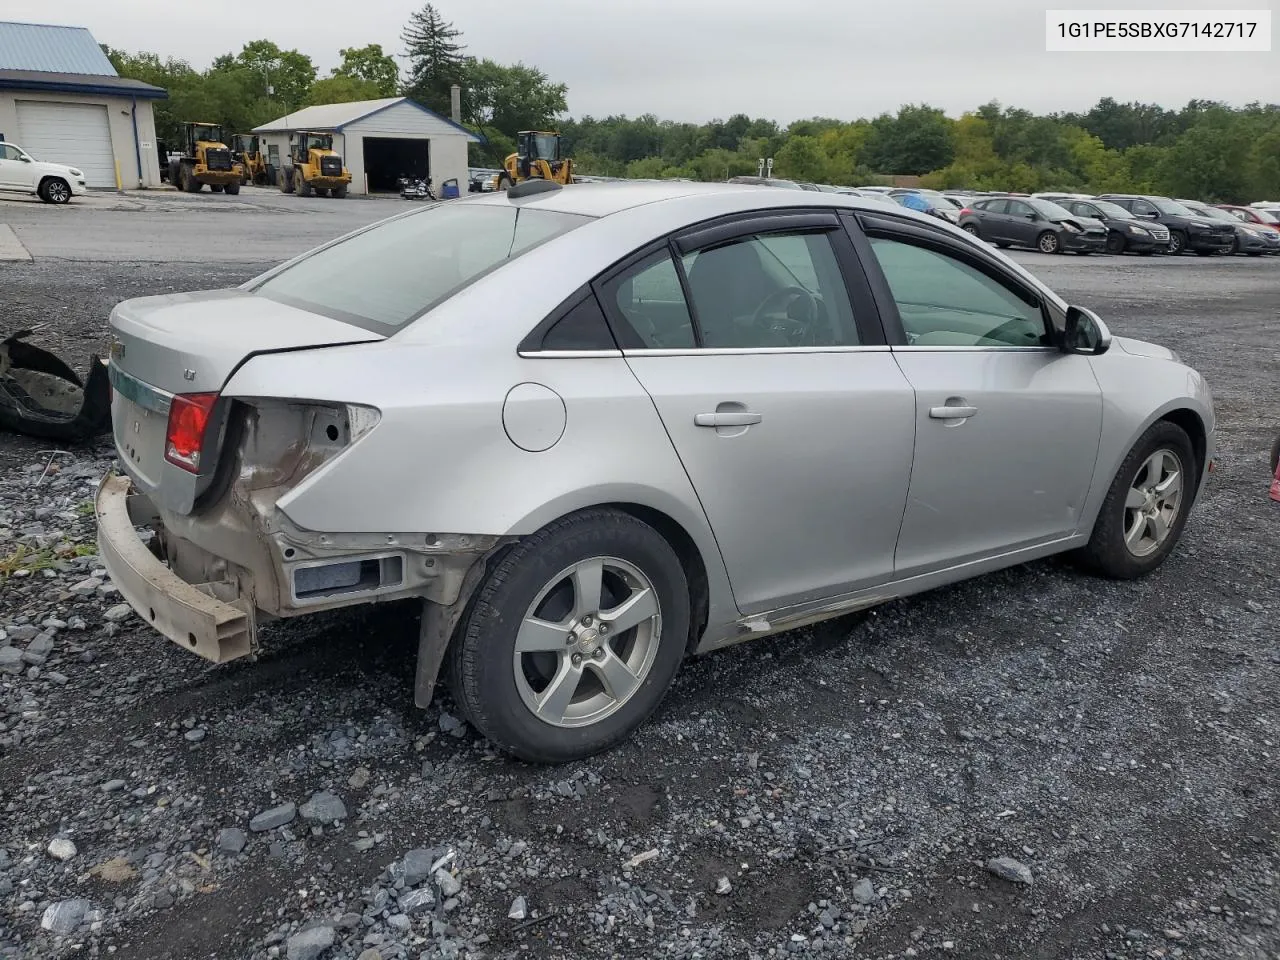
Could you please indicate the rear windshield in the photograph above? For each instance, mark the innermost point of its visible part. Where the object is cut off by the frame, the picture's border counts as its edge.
(1169, 208)
(385, 276)
(1047, 208)
(1113, 210)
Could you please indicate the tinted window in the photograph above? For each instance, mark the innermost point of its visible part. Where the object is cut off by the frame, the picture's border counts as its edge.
(1018, 209)
(384, 277)
(1112, 210)
(8, 153)
(582, 328)
(1171, 208)
(1142, 208)
(780, 290)
(996, 206)
(1047, 208)
(946, 302)
(651, 301)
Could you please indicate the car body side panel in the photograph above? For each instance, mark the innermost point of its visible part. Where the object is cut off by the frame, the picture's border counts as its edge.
(806, 503)
(1137, 391)
(440, 460)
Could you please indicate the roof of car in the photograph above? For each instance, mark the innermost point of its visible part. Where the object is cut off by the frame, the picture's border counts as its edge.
(603, 199)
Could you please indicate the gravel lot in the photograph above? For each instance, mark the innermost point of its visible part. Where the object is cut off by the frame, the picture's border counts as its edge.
(838, 791)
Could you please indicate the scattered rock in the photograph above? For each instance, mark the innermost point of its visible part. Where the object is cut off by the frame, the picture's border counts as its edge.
(65, 916)
(310, 944)
(452, 725)
(416, 866)
(274, 818)
(196, 735)
(449, 884)
(519, 909)
(115, 870)
(359, 778)
(118, 612)
(232, 840)
(324, 807)
(864, 892)
(1007, 868)
(723, 886)
(60, 848)
(370, 954)
(112, 786)
(10, 660)
(640, 858)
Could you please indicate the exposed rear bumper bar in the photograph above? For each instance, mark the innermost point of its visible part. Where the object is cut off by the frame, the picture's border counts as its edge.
(186, 613)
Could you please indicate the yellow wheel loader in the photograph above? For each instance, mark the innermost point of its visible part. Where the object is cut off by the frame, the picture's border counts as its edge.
(247, 150)
(537, 157)
(313, 166)
(205, 158)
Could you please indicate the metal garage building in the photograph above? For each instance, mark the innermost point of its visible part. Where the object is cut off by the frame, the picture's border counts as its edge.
(61, 99)
(380, 141)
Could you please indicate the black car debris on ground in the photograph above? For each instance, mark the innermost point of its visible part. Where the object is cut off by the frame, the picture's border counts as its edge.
(1028, 222)
(1187, 231)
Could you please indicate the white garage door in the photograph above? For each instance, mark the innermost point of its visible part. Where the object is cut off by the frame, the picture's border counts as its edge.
(76, 134)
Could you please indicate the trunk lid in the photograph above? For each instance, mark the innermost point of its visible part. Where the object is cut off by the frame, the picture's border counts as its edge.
(191, 343)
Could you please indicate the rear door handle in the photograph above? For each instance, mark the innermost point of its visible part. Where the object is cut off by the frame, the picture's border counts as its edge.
(952, 413)
(729, 418)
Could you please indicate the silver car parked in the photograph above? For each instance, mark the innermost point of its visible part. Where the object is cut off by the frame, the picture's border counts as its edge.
(597, 429)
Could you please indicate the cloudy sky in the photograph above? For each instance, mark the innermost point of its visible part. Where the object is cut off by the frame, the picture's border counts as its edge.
(699, 59)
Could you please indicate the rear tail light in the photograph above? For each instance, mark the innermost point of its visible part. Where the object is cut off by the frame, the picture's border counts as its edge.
(965, 210)
(184, 437)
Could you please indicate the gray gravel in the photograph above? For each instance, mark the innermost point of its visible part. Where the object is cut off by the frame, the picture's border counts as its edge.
(840, 791)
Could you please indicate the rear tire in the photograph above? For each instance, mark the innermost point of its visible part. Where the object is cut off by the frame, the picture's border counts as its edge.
(282, 181)
(1126, 544)
(1003, 244)
(972, 230)
(542, 580)
(233, 188)
(340, 192)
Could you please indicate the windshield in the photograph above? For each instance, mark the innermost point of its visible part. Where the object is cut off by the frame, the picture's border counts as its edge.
(1170, 207)
(319, 141)
(383, 277)
(1113, 210)
(207, 133)
(546, 146)
(1213, 213)
(1049, 209)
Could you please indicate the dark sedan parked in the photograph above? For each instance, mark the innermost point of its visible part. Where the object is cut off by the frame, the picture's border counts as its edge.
(1187, 231)
(1041, 224)
(1251, 240)
(1124, 230)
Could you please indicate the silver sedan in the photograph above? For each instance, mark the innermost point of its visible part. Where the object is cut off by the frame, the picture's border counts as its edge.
(596, 429)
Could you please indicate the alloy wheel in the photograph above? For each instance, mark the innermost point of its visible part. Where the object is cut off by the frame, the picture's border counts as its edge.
(587, 642)
(1152, 503)
(59, 192)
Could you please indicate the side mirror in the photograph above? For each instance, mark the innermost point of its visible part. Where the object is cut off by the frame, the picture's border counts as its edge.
(1085, 333)
(1150, 215)
(24, 158)
(1032, 215)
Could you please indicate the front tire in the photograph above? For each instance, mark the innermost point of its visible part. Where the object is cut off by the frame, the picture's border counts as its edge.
(1146, 508)
(233, 188)
(1115, 243)
(1048, 242)
(1177, 242)
(54, 190)
(532, 666)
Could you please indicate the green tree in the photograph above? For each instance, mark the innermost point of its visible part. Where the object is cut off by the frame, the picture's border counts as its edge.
(436, 59)
(917, 140)
(371, 66)
(801, 158)
(511, 98)
(341, 89)
(270, 73)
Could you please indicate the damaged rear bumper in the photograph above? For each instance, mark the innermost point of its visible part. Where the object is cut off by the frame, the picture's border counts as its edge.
(190, 615)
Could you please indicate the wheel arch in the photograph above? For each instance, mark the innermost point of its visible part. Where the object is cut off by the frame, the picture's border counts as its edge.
(1192, 423)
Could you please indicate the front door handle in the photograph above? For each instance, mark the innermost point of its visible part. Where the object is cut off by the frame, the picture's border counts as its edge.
(952, 412)
(728, 418)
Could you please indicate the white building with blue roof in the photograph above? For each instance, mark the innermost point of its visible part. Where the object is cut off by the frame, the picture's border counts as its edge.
(62, 101)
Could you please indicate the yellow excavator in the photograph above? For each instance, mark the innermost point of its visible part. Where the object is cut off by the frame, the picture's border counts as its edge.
(313, 166)
(247, 149)
(538, 157)
(205, 158)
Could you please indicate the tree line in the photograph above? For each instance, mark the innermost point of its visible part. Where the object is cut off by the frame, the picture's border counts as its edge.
(1207, 150)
